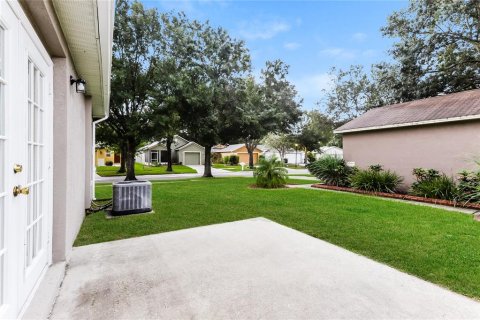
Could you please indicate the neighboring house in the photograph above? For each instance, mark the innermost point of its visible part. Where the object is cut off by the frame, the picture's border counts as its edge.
(46, 135)
(292, 156)
(183, 151)
(331, 151)
(239, 150)
(441, 132)
(104, 155)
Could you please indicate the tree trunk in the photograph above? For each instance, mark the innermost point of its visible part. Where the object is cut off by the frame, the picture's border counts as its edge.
(250, 145)
(130, 161)
(207, 173)
(169, 154)
(282, 154)
(305, 156)
(123, 158)
(250, 158)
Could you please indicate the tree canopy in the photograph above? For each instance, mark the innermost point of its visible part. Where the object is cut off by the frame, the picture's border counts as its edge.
(436, 50)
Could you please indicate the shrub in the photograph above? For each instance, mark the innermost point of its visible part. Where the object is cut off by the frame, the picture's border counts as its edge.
(375, 180)
(376, 167)
(234, 160)
(226, 160)
(331, 170)
(311, 157)
(216, 157)
(431, 184)
(270, 173)
(109, 163)
(469, 186)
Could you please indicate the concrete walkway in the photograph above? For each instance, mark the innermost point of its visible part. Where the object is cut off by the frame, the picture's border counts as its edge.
(248, 269)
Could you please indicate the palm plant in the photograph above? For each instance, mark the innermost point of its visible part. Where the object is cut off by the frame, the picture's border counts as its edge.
(270, 173)
(331, 170)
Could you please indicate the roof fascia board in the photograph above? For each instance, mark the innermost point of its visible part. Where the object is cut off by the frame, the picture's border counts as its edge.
(410, 124)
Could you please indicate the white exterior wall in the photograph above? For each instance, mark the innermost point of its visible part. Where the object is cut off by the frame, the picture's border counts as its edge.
(299, 157)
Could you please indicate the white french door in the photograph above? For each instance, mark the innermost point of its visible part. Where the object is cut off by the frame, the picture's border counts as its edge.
(25, 162)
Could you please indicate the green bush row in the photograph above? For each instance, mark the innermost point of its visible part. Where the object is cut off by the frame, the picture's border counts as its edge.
(429, 183)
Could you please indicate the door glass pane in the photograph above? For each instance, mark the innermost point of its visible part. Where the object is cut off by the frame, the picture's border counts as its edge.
(2, 165)
(2, 52)
(35, 149)
(2, 108)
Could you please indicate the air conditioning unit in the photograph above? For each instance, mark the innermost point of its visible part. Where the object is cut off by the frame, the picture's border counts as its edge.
(131, 197)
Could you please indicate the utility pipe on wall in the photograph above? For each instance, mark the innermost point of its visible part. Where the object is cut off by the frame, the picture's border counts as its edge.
(94, 165)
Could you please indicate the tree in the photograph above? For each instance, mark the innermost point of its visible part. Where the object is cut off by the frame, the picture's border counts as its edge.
(315, 130)
(351, 93)
(136, 51)
(209, 68)
(281, 142)
(273, 106)
(437, 51)
(438, 46)
(108, 138)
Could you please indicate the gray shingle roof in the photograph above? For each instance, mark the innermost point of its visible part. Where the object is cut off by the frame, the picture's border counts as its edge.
(452, 107)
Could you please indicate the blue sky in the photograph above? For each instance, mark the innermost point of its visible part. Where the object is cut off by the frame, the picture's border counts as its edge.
(310, 36)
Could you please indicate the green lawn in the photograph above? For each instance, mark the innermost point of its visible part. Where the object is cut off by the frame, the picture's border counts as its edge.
(437, 245)
(230, 168)
(141, 169)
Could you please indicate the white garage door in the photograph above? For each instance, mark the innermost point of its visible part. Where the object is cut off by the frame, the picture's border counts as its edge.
(192, 158)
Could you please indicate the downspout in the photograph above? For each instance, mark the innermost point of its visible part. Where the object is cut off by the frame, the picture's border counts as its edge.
(94, 165)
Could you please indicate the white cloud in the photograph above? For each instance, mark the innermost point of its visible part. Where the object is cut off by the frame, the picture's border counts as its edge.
(359, 36)
(338, 53)
(291, 45)
(262, 30)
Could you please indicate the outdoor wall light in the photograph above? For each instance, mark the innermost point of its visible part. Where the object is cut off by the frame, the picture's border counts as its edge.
(79, 84)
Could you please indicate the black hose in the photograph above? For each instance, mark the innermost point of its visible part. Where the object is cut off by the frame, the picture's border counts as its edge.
(98, 205)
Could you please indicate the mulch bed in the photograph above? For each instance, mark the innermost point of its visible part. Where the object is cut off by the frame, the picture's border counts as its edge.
(401, 196)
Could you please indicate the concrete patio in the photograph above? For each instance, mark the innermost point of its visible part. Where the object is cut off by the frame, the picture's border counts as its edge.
(244, 270)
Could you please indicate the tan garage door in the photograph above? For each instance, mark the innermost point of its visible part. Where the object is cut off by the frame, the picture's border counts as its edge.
(191, 158)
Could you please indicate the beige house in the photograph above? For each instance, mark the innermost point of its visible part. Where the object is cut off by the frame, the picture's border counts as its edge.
(55, 59)
(441, 132)
(239, 150)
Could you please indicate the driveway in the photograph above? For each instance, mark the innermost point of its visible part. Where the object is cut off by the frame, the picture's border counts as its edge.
(248, 269)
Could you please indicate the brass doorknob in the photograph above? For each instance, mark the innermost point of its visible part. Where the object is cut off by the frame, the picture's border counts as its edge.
(19, 190)
(17, 168)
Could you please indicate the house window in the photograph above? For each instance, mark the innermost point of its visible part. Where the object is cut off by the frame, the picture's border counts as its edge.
(154, 156)
(163, 155)
(108, 154)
